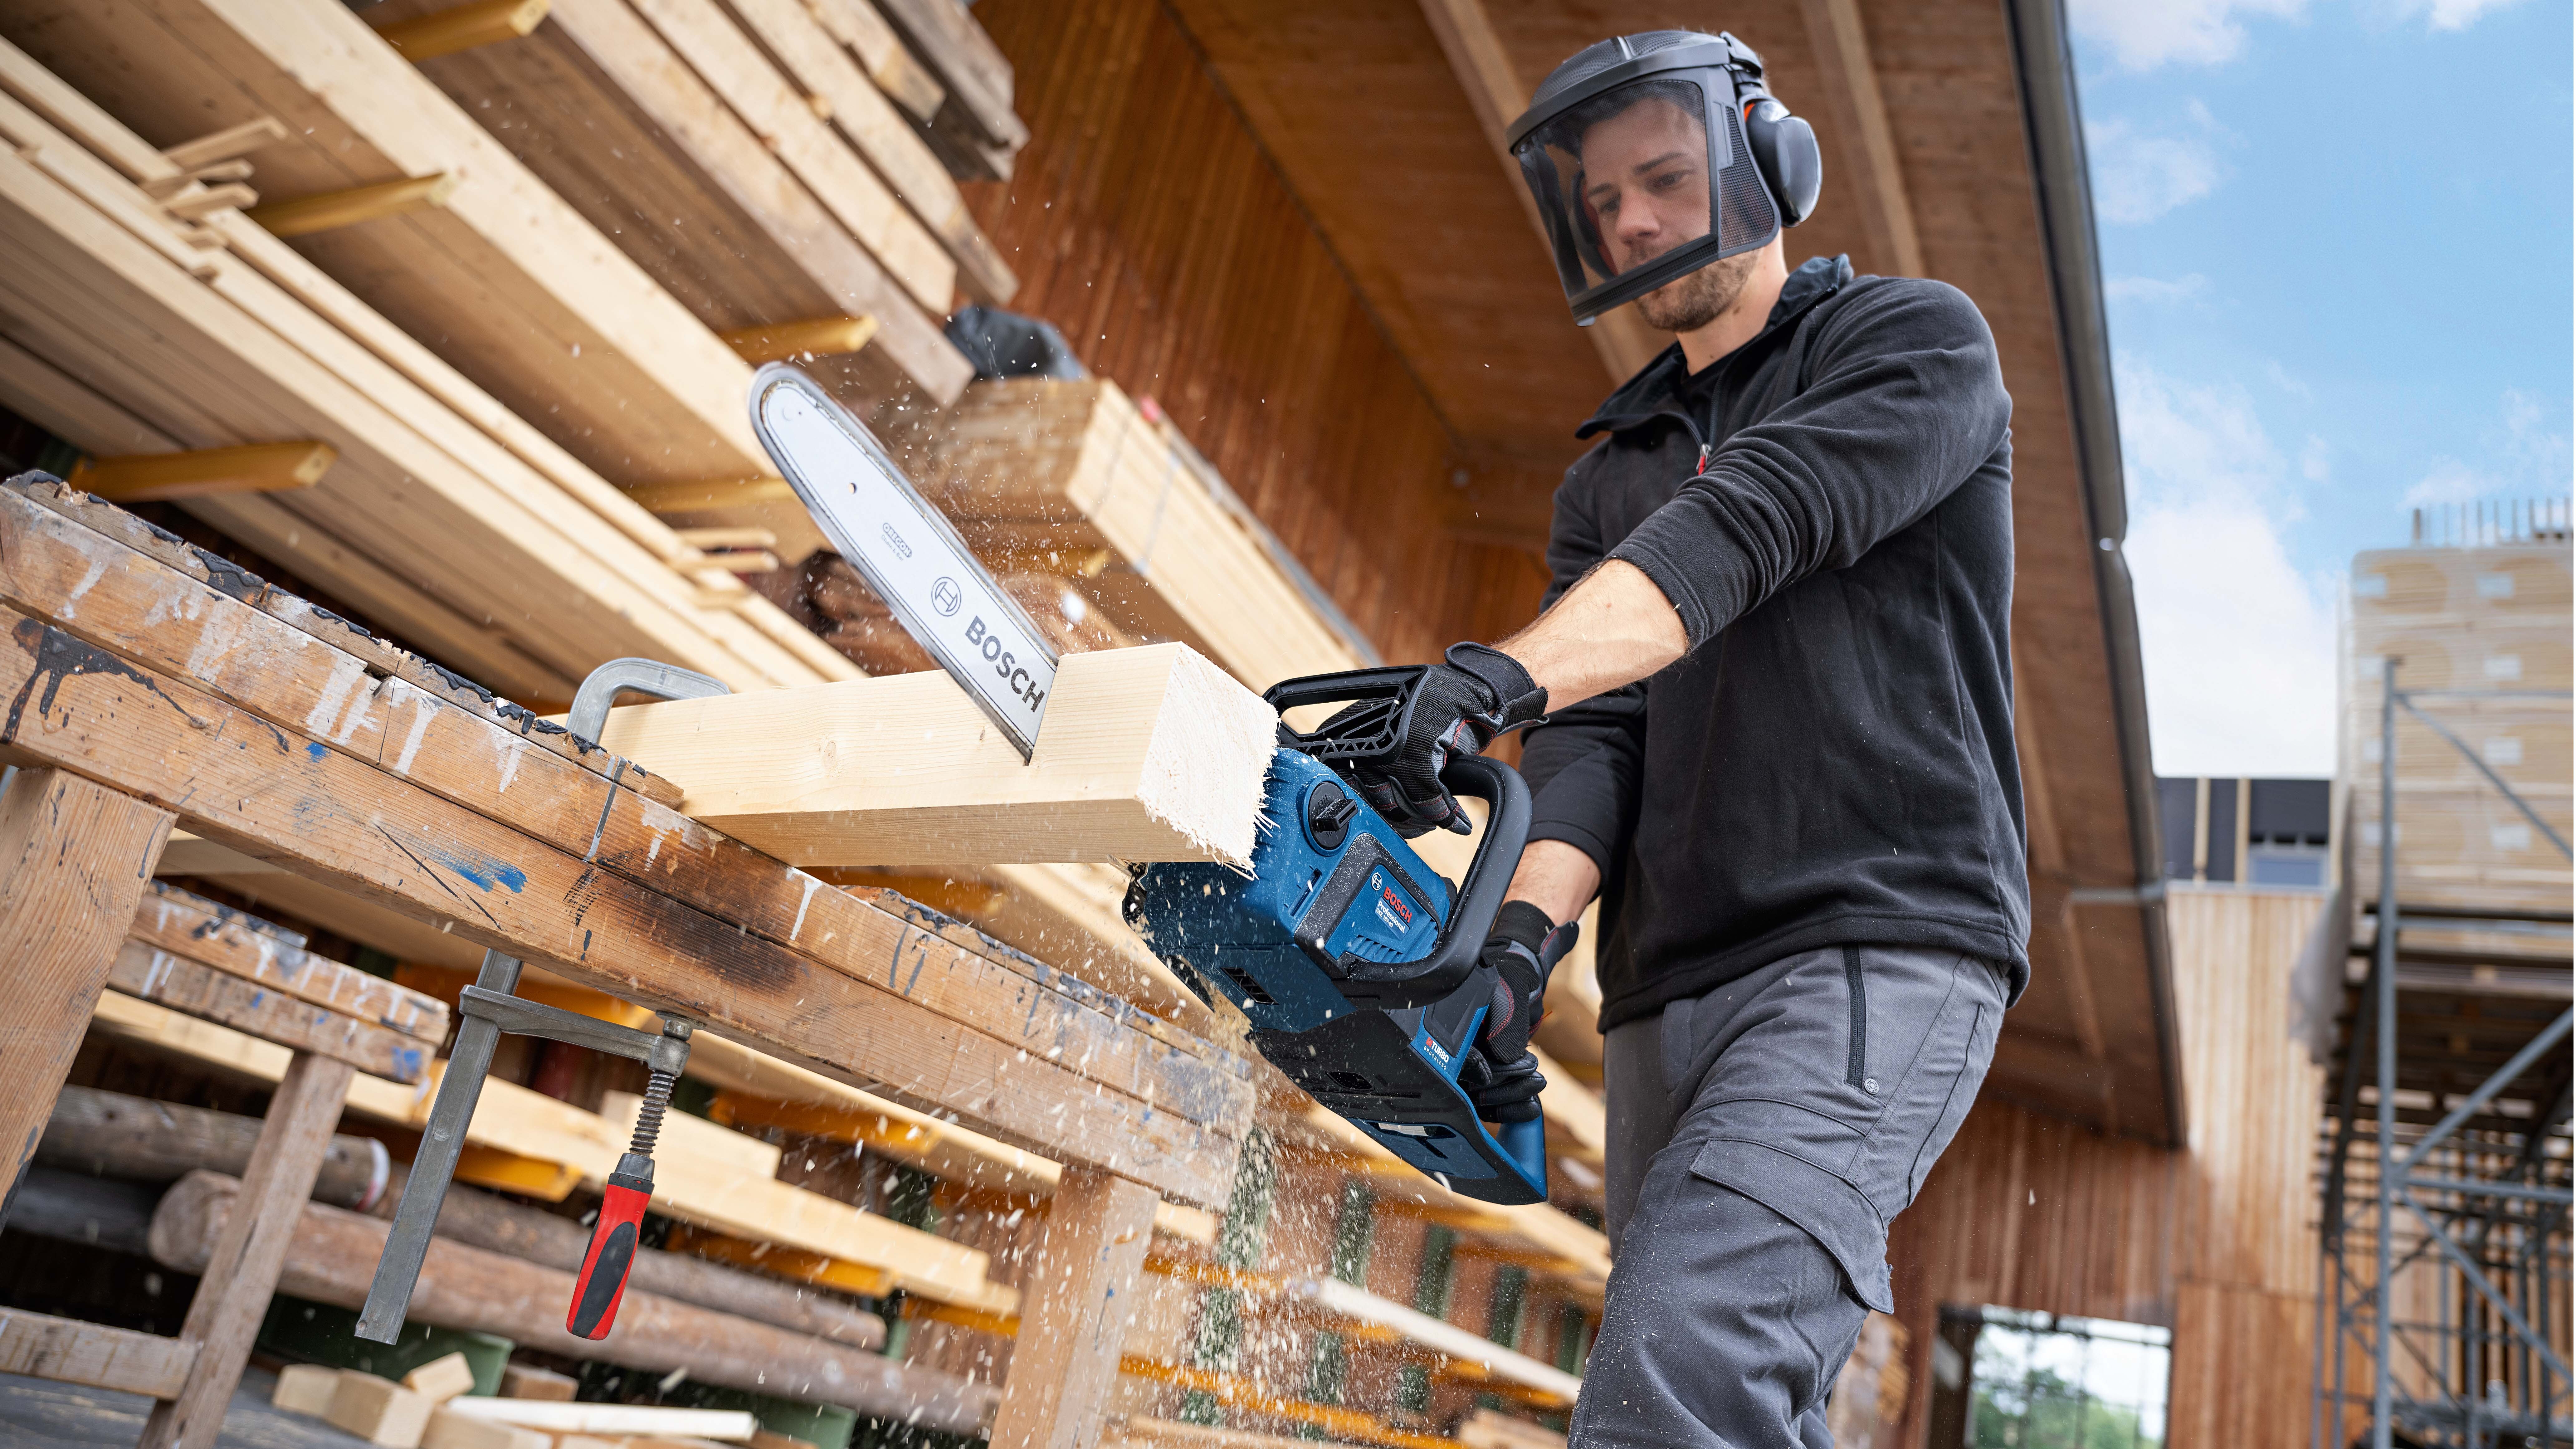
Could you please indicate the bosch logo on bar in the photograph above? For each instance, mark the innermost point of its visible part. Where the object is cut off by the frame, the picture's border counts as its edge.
(1005, 665)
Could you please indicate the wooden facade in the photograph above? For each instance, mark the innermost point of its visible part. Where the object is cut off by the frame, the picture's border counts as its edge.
(2216, 1242)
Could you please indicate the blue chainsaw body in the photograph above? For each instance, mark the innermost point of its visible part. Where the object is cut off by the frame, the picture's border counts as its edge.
(1317, 947)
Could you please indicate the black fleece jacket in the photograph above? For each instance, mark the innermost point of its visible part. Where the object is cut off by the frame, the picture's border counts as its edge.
(1832, 763)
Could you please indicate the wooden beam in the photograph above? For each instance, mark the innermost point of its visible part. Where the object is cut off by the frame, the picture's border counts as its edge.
(1146, 754)
(198, 205)
(333, 1257)
(159, 477)
(463, 27)
(1088, 1259)
(1495, 92)
(977, 114)
(957, 1025)
(244, 946)
(74, 861)
(224, 145)
(241, 1267)
(778, 341)
(152, 974)
(1862, 139)
(331, 210)
(69, 1351)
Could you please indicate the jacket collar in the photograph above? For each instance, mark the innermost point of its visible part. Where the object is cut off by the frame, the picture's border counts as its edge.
(1657, 386)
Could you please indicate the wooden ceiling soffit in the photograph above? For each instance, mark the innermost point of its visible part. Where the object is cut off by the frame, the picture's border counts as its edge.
(1860, 134)
(1494, 89)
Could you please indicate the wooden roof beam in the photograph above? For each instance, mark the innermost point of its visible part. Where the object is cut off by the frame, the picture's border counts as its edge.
(1862, 137)
(1494, 90)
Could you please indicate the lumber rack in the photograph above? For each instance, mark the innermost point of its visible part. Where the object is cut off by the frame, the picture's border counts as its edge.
(153, 686)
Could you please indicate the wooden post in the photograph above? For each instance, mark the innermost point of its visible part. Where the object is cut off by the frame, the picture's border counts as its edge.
(1075, 1313)
(233, 1294)
(74, 859)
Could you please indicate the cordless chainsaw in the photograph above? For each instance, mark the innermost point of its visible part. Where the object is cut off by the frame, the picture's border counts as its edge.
(1357, 964)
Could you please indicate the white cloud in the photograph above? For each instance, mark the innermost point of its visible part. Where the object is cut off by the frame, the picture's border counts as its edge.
(2450, 14)
(2239, 645)
(2156, 291)
(2139, 176)
(2449, 481)
(2144, 34)
(2525, 458)
(2285, 381)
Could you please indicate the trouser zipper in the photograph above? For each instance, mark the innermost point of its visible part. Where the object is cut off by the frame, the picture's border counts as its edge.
(1857, 1073)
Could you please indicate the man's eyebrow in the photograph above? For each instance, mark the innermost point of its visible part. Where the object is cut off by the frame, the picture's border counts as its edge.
(1642, 167)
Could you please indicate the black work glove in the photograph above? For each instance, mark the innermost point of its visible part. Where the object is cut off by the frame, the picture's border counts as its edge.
(1458, 708)
(1522, 950)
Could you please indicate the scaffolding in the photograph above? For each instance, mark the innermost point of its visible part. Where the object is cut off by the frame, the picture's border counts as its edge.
(2447, 1273)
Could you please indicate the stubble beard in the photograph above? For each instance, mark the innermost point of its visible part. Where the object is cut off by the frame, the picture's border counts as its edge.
(1688, 303)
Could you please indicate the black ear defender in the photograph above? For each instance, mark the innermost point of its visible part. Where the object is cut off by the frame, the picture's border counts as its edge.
(1783, 144)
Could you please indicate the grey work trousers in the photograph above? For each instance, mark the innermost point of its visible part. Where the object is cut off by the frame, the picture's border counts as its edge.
(1761, 1137)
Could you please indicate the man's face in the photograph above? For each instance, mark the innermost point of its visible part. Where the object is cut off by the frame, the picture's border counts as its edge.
(1645, 180)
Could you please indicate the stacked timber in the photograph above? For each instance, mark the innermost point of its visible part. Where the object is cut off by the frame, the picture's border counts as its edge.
(2481, 636)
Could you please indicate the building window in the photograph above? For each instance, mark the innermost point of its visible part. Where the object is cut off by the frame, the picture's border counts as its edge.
(2016, 1380)
(2286, 865)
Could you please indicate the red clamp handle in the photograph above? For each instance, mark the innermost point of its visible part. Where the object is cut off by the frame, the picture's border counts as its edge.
(601, 1285)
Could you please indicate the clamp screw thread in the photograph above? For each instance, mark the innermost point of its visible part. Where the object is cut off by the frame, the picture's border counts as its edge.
(648, 1117)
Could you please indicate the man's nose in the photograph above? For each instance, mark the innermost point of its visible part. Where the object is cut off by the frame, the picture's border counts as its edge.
(1637, 219)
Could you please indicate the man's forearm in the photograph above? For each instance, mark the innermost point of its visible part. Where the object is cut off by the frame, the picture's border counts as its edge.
(1557, 878)
(1614, 628)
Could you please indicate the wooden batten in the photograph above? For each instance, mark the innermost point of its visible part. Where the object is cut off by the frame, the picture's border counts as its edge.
(882, 54)
(1146, 754)
(226, 144)
(254, 468)
(331, 210)
(778, 341)
(463, 27)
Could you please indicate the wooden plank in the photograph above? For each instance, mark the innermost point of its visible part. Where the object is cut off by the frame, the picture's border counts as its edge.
(795, 36)
(70, 1351)
(1076, 1316)
(789, 129)
(974, 70)
(1860, 137)
(1494, 90)
(191, 926)
(353, 206)
(206, 150)
(255, 468)
(234, 1286)
(152, 974)
(572, 335)
(74, 861)
(278, 791)
(488, 767)
(1146, 754)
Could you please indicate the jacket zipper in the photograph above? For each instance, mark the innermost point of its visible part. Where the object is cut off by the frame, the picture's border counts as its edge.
(1857, 1071)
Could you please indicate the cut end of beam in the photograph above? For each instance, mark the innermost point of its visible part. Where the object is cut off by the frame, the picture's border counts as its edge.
(780, 341)
(1208, 759)
(464, 27)
(160, 477)
(333, 209)
(226, 144)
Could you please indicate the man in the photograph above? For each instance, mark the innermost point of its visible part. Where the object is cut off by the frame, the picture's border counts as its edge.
(1777, 745)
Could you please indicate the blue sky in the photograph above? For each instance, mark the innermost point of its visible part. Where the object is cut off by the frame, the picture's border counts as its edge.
(2336, 242)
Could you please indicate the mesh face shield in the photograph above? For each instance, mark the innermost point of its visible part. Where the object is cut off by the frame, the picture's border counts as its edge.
(1640, 169)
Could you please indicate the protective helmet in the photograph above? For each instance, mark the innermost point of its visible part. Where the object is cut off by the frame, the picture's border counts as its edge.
(1653, 155)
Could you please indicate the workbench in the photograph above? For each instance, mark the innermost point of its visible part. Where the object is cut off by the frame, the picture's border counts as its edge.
(151, 685)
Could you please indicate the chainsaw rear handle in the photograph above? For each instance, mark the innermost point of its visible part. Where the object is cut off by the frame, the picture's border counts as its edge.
(1393, 985)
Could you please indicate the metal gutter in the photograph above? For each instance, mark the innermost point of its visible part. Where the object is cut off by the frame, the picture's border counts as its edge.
(2054, 124)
